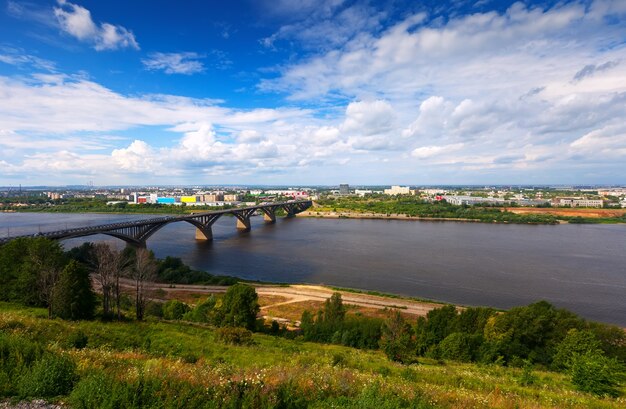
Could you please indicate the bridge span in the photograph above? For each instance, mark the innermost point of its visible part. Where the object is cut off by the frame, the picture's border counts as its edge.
(136, 233)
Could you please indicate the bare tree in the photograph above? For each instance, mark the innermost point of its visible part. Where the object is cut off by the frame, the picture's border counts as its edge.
(46, 261)
(109, 265)
(143, 273)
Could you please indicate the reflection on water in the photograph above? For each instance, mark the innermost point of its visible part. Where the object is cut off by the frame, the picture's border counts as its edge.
(579, 267)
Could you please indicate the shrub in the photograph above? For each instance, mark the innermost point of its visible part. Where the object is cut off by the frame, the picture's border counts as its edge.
(234, 336)
(154, 309)
(77, 339)
(575, 343)
(174, 310)
(457, 346)
(53, 375)
(595, 373)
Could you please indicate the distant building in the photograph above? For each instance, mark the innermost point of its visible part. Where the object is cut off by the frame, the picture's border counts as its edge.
(344, 189)
(189, 199)
(473, 200)
(579, 202)
(398, 190)
(232, 198)
(361, 192)
(214, 197)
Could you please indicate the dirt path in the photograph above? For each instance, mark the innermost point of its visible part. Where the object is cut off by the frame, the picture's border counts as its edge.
(295, 294)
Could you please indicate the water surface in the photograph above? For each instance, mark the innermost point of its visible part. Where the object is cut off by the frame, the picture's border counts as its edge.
(579, 267)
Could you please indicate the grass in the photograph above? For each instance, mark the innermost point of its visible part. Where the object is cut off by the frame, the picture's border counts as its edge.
(137, 363)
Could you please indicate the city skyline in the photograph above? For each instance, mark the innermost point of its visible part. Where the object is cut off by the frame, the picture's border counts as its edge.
(312, 93)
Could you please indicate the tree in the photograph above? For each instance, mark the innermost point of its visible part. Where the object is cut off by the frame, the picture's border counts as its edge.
(595, 373)
(438, 324)
(575, 343)
(73, 296)
(239, 307)
(334, 311)
(174, 310)
(396, 340)
(41, 269)
(108, 267)
(458, 346)
(142, 273)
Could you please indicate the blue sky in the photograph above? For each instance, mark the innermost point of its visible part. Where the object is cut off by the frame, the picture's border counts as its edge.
(312, 92)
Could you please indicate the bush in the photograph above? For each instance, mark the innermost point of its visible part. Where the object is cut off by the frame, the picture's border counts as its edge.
(174, 310)
(17, 354)
(234, 336)
(457, 346)
(53, 375)
(77, 339)
(595, 373)
(575, 343)
(203, 312)
(154, 309)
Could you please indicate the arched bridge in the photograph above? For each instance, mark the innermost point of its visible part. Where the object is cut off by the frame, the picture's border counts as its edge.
(137, 232)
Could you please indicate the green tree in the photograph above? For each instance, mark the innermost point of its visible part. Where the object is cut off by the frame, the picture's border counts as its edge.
(73, 297)
(438, 324)
(174, 310)
(334, 310)
(458, 346)
(575, 343)
(396, 340)
(595, 373)
(239, 307)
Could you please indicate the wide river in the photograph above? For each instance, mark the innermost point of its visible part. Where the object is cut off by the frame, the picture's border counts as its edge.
(578, 267)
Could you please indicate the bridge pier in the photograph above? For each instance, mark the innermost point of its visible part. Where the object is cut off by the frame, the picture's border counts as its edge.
(243, 218)
(243, 224)
(204, 234)
(269, 215)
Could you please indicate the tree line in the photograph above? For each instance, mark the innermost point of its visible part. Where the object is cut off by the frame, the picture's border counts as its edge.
(416, 207)
(537, 335)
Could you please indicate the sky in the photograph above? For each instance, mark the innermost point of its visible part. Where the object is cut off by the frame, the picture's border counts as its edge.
(309, 92)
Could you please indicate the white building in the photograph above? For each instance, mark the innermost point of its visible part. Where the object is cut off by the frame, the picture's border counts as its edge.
(398, 190)
(580, 202)
(361, 192)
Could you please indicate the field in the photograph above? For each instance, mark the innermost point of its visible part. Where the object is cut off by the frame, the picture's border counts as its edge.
(567, 212)
(168, 364)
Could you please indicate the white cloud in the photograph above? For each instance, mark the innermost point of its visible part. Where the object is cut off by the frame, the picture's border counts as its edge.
(430, 151)
(19, 58)
(175, 63)
(76, 21)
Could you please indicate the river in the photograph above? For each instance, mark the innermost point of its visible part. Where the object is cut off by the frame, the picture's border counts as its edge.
(578, 267)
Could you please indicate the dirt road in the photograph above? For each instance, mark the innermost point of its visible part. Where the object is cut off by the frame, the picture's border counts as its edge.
(279, 298)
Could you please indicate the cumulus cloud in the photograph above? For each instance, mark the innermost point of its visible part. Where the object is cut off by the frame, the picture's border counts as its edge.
(175, 63)
(77, 22)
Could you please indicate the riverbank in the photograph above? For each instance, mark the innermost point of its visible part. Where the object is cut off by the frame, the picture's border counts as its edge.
(394, 216)
(286, 303)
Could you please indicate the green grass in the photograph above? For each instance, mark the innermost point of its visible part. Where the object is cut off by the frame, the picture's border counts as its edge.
(165, 364)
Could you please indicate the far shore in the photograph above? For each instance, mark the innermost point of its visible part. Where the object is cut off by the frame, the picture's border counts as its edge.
(390, 216)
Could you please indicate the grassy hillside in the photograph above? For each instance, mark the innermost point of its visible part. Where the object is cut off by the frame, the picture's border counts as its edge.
(162, 364)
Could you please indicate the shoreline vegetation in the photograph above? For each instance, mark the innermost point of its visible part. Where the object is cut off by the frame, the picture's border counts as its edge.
(410, 208)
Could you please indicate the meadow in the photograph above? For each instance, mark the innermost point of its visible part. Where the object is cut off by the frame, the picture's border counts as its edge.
(157, 363)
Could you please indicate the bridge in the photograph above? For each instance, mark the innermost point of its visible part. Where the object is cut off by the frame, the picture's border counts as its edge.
(136, 233)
